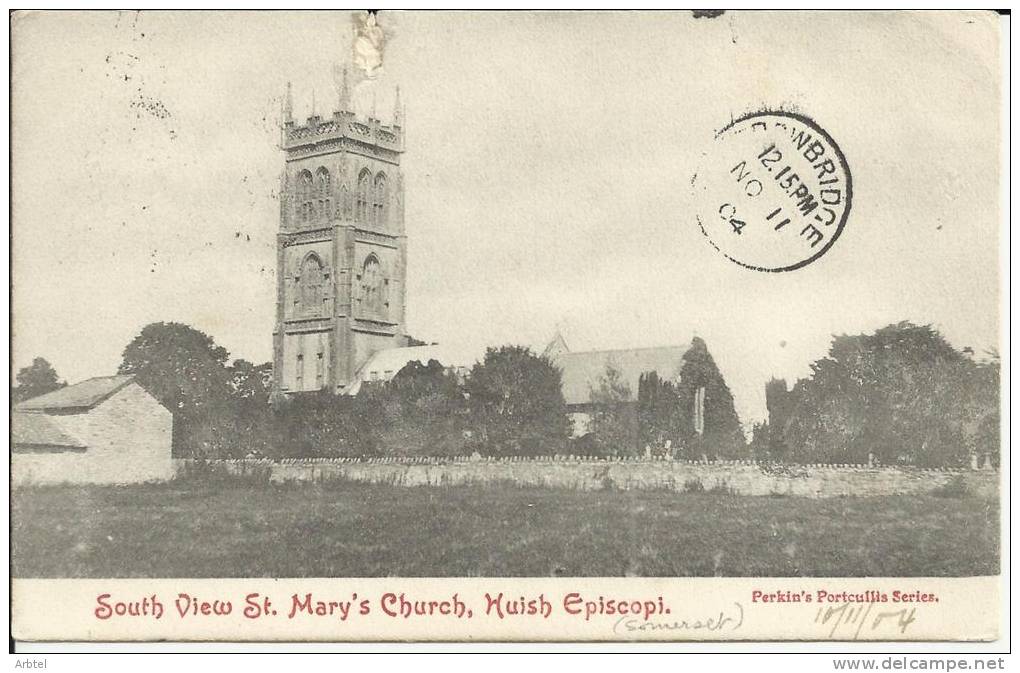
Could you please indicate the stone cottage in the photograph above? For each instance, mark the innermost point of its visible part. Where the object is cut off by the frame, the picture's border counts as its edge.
(106, 430)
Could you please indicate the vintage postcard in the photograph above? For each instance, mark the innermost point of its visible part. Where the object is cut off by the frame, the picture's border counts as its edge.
(511, 326)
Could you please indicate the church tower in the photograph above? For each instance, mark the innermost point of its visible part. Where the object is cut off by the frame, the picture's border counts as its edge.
(341, 246)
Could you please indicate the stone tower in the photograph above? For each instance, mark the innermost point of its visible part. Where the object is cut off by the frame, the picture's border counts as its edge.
(341, 247)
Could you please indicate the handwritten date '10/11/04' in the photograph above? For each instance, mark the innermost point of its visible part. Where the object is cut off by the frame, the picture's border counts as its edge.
(851, 620)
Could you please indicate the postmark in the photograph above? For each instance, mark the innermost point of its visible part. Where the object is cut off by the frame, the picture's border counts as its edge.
(774, 192)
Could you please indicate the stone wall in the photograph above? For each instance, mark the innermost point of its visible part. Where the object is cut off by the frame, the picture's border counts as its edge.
(741, 477)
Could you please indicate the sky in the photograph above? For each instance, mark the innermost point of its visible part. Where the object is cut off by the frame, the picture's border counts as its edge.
(547, 172)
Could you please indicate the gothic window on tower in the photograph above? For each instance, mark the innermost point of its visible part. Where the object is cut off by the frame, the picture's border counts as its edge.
(364, 185)
(299, 373)
(371, 288)
(310, 285)
(322, 184)
(380, 196)
(305, 189)
(320, 369)
(322, 179)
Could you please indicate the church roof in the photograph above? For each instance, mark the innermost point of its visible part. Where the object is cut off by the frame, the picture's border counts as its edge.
(32, 429)
(84, 395)
(583, 370)
(384, 364)
(555, 347)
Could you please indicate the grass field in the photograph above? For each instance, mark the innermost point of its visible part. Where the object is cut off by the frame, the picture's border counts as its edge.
(346, 529)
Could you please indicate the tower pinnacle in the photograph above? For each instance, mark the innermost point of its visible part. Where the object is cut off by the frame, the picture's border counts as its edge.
(288, 106)
(397, 112)
(343, 88)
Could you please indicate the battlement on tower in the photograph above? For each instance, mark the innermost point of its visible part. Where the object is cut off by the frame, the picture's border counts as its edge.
(343, 127)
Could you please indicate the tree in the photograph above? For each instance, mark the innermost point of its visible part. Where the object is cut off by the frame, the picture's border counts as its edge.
(983, 425)
(255, 429)
(185, 370)
(516, 404)
(249, 381)
(777, 402)
(321, 424)
(702, 390)
(659, 417)
(36, 379)
(423, 411)
(612, 418)
(760, 441)
(902, 394)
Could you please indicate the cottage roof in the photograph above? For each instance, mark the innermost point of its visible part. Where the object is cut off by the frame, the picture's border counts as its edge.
(583, 370)
(40, 430)
(84, 395)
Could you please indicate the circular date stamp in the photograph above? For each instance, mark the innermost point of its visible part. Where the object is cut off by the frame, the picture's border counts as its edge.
(774, 192)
